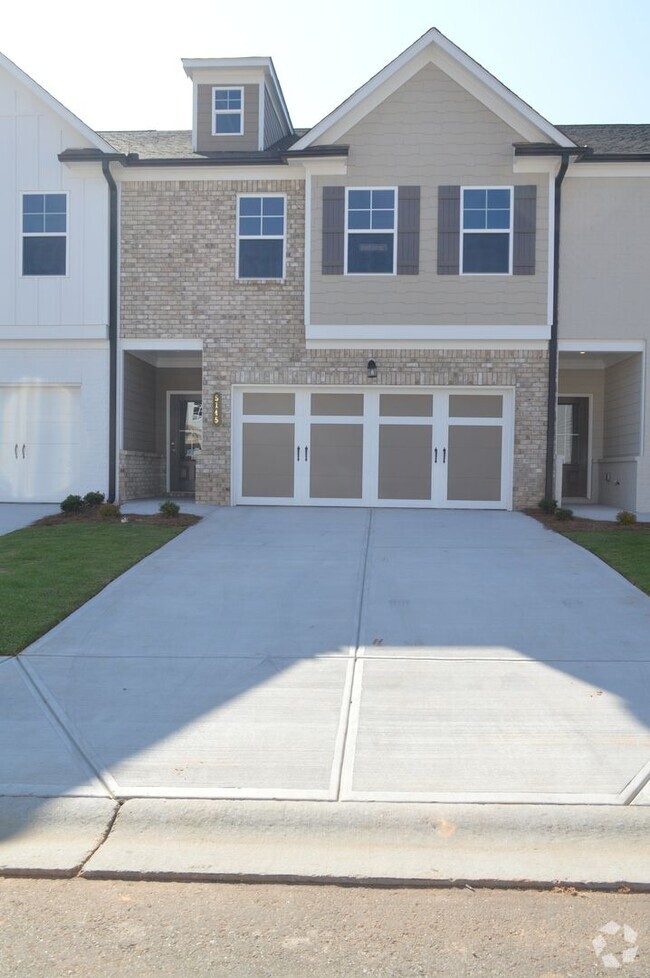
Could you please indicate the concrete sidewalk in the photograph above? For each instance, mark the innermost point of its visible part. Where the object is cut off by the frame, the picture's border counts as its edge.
(344, 656)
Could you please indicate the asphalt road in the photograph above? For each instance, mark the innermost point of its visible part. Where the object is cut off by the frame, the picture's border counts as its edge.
(81, 928)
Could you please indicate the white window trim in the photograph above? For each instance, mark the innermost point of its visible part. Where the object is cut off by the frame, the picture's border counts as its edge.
(240, 112)
(261, 237)
(44, 234)
(369, 231)
(508, 231)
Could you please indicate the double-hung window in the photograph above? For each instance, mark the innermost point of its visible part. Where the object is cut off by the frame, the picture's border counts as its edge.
(486, 239)
(44, 234)
(227, 111)
(260, 236)
(370, 238)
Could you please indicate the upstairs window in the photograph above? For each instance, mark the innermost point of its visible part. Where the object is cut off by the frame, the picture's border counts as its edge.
(228, 111)
(486, 240)
(261, 234)
(370, 237)
(45, 233)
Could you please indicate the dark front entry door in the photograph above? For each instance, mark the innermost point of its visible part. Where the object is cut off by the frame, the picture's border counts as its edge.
(185, 429)
(573, 444)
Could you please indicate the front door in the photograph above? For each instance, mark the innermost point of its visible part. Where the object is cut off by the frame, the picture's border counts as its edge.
(351, 447)
(185, 436)
(573, 445)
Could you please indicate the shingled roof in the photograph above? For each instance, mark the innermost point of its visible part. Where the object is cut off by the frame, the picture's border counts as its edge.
(157, 144)
(624, 138)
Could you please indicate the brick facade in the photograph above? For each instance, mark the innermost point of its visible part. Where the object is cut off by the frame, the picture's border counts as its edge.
(178, 281)
(142, 475)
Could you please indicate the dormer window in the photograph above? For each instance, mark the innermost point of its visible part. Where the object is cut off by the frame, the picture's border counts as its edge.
(228, 111)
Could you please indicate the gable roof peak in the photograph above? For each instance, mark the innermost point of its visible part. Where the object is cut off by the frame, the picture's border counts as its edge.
(434, 47)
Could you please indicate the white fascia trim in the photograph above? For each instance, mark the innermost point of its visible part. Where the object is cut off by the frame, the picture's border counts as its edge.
(193, 173)
(448, 57)
(278, 96)
(55, 105)
(407, 333)
(609, 170)
(602, 346)
(57, 333)
(514, 344)
(127, 344)
(536, 164)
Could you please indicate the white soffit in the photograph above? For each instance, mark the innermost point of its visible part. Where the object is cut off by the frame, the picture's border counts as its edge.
(434, 48)
(60, 110)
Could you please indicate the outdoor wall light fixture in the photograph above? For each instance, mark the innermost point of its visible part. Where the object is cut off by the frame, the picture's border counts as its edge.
(372, 370)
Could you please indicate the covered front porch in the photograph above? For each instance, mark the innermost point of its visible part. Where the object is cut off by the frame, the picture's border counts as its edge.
(599, 433)
(161, 422)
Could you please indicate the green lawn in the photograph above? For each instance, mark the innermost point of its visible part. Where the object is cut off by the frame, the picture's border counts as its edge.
(48, 571)
(628, 553)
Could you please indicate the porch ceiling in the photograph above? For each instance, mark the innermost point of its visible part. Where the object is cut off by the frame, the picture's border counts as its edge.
(168, 358)
(592, 360)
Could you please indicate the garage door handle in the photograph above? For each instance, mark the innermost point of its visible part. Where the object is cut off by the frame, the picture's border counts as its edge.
(306, 453)
(444, 455)
(16, 449)
(23, 451)
(298, 455)
(435, 455)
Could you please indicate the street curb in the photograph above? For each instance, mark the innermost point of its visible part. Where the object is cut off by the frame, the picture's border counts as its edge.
(381, 843)
(51, 836)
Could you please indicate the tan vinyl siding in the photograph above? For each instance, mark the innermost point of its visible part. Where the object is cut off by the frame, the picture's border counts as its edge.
(431, 132)
(622, 435)
(139, 405)
(206, 142)
(604, 258)
(273, 129)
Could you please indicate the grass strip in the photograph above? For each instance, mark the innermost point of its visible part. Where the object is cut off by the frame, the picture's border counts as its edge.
(48, 571)
(628, 553)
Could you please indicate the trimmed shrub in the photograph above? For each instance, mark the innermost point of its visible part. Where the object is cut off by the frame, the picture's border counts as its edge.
(72, 504)
(563, 514)
(109, 511)
(94, 498)
(626, 518)
(548, 505)
(169, 508)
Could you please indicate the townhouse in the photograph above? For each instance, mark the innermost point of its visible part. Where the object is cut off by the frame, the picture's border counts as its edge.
(434, 297)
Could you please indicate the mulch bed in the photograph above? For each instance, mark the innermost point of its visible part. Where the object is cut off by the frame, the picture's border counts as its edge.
(90, 516)
(588, 526)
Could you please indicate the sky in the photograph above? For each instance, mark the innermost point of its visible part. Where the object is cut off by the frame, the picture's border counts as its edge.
(117, 64)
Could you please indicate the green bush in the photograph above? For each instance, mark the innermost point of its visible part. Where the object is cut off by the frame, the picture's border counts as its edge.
(109, 511)
(169, 509)
(72, 504)
(94, 498)
(548, 505)
(563, 514)
(626, 518)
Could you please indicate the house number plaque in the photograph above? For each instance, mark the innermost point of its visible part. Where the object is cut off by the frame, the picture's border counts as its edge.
(216, 409)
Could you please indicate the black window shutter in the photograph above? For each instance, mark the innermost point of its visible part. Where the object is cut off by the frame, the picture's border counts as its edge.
(408, 230)
(333, 230)
(524, 228)
(448, 230)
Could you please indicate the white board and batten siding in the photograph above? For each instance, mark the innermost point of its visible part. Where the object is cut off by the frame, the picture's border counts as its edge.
(54, 356)
(31, 137)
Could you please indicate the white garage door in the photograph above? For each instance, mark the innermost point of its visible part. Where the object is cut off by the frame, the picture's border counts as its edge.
(39, 442)
(388, 447)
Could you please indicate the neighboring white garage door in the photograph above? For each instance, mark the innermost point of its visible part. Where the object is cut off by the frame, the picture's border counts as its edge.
(39, 442)
(388, 447)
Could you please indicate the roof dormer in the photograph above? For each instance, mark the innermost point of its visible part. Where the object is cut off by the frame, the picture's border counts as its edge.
(238, 105)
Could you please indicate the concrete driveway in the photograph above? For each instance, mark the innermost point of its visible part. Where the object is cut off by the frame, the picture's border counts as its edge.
(394, 655)
(14, 516)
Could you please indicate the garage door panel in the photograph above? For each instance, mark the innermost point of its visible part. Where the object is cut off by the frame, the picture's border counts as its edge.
(336, 461)
(474, 466)
(404, 461)
(267, 460)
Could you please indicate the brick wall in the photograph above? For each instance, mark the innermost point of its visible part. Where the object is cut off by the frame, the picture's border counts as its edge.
(142, 475)
(178, 281)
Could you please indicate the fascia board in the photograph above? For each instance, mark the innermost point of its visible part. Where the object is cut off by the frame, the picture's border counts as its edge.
(434, 47)
(60, 110)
